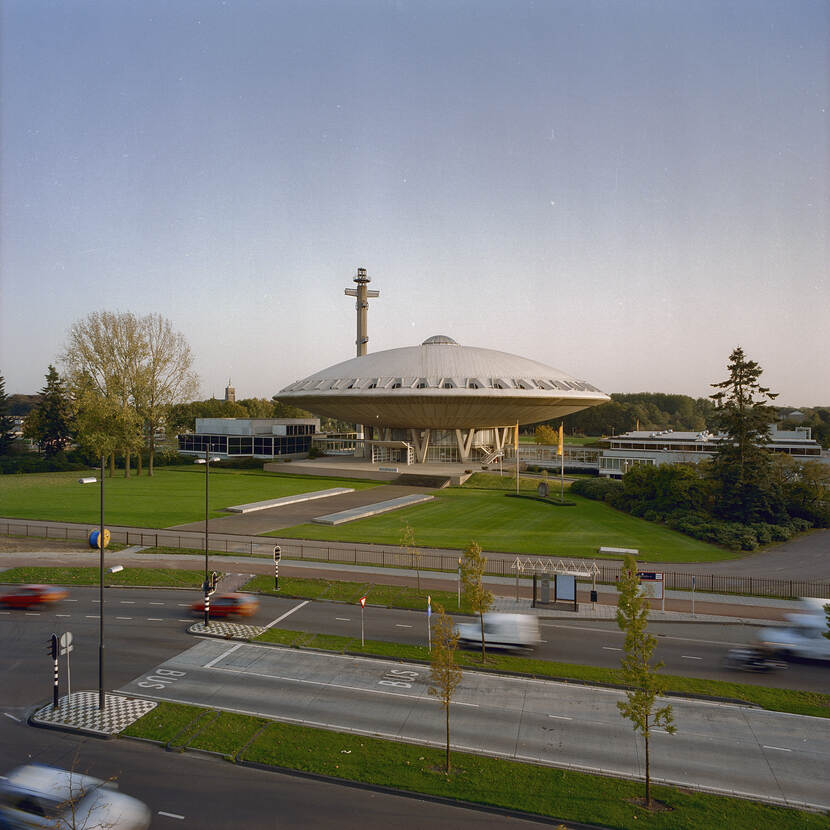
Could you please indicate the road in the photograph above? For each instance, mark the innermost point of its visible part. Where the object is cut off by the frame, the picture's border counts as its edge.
(146, 620)
(142, 629)
(723, 748)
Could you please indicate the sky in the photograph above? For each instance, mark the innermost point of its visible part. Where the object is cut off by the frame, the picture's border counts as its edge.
(623, 190)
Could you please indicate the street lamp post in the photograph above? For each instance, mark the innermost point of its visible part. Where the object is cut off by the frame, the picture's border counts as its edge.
(101, 695)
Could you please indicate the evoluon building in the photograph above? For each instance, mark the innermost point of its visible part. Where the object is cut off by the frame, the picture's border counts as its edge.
(440, 401)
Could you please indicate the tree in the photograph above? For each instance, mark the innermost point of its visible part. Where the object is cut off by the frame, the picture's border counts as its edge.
(6, 422)
(639, 674)
(408, 544)
(163, 378)
(49, 424)
(742, 469)
(445, 674)
(473, 563)
(546, 435)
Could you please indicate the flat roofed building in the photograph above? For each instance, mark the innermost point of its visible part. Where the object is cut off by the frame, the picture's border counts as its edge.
(259, 437)
(668, 447)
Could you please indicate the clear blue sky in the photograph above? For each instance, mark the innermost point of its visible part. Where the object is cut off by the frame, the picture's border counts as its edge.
(623, 190)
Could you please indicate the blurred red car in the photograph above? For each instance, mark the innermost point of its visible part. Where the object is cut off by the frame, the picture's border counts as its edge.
(228, 605)
(24, 596)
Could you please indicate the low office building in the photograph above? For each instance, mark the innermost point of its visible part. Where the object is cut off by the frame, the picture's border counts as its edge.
(255, 437)
(668, 447)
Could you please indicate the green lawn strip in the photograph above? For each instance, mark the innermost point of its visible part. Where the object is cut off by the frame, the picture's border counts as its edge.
(508, 784)
(227, 734)
(172, 496)
(164, 722)
(779, 700)
(160, 577)
(525, 526)
(393, 596)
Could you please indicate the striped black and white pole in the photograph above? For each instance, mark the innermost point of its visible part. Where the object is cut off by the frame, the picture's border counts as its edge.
(207, 605)
(53, 650)
(277, 557)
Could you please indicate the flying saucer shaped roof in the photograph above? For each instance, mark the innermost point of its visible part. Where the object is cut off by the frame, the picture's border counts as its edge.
(442, 385)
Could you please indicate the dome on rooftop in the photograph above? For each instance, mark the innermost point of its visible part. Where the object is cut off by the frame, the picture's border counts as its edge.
(423, 387)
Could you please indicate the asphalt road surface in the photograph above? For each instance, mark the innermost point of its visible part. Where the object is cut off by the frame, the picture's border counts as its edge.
(725, 748)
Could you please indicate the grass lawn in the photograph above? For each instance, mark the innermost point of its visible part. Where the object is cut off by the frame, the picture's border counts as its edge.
(558, 793)
(173, 496)
(161, 577)
(500, 523)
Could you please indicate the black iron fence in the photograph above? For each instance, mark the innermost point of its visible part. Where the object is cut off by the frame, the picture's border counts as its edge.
(393, 557)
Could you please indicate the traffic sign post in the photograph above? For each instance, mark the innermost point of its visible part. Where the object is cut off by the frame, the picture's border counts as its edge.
(693, 595)
(52, 648)
(65, 647)
(362, 606)
(277, 557)
(459, 584)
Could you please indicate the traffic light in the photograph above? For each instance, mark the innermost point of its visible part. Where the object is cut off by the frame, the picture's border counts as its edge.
(52, 646)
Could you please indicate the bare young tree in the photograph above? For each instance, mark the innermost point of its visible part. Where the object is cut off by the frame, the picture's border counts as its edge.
(640, 675)
(165, 377)
(408, 544)
(445, 674)
(473, 564)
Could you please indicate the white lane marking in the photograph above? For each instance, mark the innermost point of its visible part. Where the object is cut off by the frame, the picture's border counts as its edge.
(63, 615)
(170, 815)
(128, 602)
(560, 717)
(222, 656)
(5, 612)
(70, 600)
(287, 613)
(689, 657)
(183, 604)
(154, 619)
(156, 603)
(123, 618)
(343, 619)
(611, 648)
(401, 625)
(779, 748)
(11, 716)
(93, 616)
(330, 685)
(186, 619)
(33, 613)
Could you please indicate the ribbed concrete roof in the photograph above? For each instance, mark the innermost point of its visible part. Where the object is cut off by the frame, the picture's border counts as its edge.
(441, 384)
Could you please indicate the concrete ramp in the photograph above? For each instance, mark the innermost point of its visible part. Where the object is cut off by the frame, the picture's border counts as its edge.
(253, 506)
(371, 509)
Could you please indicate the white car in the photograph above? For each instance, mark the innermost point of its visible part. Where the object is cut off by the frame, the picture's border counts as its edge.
(507, 631)
(37, 796)
(804, 636)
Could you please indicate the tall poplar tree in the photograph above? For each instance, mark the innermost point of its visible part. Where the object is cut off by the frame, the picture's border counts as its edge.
(445, 673)
(742, 470)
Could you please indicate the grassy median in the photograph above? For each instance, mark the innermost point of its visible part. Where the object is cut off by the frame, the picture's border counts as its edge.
(555, 793)
(138, 577)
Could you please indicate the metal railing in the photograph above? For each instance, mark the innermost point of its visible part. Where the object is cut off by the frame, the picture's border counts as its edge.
(394, 557)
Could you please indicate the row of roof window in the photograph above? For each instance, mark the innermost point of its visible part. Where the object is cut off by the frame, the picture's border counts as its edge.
(336, 384)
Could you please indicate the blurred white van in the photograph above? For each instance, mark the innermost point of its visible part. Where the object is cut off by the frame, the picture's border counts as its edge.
(502, 631)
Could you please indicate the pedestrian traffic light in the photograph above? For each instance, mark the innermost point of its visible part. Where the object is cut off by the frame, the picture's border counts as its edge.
(52, 646)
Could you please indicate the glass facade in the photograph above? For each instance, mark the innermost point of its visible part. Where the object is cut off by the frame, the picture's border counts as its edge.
(297, 439)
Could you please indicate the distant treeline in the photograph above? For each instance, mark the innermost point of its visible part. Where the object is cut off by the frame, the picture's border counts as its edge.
(655, 410)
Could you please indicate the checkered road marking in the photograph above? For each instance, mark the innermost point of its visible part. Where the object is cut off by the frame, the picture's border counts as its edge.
(228, 630)
(80, 711)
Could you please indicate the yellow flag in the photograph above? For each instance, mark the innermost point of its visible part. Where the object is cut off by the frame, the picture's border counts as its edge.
(560, 450)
